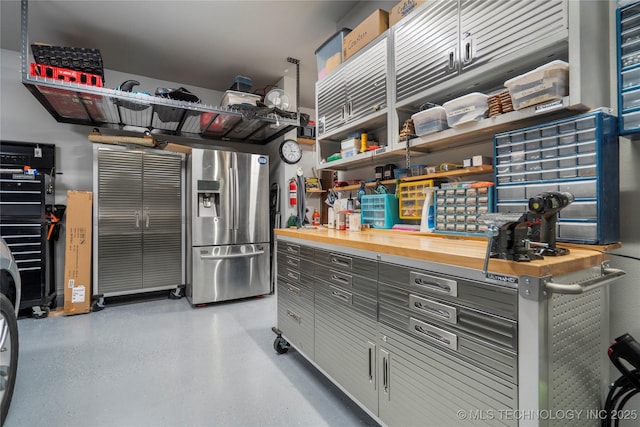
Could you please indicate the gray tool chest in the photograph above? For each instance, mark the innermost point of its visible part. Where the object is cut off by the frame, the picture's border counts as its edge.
(411, 340)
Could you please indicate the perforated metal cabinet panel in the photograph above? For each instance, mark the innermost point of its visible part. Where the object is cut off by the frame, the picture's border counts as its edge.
(345, 346)
(498, 300)
(576, 365)
(422, 385)
(426, 48)
(492, 29)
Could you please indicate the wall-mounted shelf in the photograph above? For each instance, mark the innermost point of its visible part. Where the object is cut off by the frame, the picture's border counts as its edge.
(315, 190)
(306, 141)
(471, 171)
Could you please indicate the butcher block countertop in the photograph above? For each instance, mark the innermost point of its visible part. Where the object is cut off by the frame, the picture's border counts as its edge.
(462, 252)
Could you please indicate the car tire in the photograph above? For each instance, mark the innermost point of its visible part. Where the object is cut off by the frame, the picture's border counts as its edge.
(8, 354)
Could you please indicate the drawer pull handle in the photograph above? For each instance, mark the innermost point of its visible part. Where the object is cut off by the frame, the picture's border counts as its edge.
(438, 284)
(341, 262)
(434, 334)
(437, 312)
(293, 316)
(291, 261)
(292, 249)
(341, 279)
(293, 275)
(293, 290)
(340, 296)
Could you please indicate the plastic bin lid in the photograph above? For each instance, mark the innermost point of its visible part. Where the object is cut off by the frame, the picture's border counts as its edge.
(436, 111)
(553, 65)
(465, 98)
(344, 32)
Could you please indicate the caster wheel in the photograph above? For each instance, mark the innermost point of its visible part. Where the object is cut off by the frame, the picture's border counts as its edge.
(97, 305)
(41, 312)
(177, 293)
(281, 346)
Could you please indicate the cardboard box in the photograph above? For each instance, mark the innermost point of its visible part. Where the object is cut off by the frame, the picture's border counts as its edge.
(376, 24)
(402, 9)
(77, 254)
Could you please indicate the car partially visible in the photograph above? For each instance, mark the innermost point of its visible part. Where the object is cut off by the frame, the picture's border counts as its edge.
(10, 289)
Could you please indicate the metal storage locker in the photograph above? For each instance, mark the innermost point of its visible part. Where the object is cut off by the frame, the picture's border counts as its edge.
(138, 227)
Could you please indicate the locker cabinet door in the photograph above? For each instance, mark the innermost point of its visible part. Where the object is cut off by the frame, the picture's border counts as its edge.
(367, 82)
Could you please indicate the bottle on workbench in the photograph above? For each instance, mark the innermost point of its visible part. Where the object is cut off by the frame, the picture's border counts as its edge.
(315, 218)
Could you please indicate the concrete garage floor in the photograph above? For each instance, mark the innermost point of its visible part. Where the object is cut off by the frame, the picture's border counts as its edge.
(162, 363)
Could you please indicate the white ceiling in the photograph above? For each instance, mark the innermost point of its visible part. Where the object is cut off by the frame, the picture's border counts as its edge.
(196, 43)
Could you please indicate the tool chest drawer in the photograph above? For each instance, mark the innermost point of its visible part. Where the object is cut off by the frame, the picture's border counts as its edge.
(296, 322)
(492, 358)
(398, 305)
(296, 293)
(295, 250)
(346, 301)
(347, 263)
(493, 299)
(351, 282)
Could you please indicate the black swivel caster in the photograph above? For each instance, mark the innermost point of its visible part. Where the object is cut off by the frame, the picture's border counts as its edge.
(98, 304)
(40, 312)
(280, 345)
(177, 293)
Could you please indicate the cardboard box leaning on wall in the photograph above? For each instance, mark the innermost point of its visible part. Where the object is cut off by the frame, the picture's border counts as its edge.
(402, 9)
(77, 254)
(376, 24)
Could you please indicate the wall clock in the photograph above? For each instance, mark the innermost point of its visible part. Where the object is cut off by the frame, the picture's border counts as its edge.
(290, 151)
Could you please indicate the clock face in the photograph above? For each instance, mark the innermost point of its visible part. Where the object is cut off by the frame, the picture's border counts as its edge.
(290, 151)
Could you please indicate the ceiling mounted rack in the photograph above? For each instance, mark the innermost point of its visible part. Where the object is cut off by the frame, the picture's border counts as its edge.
(102, 107)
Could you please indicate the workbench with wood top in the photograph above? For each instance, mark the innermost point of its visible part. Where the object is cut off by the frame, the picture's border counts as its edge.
(416, 332)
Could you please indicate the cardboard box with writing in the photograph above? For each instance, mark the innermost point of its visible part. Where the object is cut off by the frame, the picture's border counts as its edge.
(402, 9)
(77, 254)
(376, 24)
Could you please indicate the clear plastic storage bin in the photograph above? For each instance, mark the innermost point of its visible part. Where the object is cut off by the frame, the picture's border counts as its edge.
(329, 55)
(380, 210)
(430, 121)
(467, 108)
(545, 83)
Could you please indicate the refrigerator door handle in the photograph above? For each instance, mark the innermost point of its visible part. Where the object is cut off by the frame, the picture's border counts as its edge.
(232, 255)
(232, 190)
(236, 210)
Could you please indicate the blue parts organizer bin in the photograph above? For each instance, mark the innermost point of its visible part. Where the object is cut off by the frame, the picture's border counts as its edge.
(380, 210)
(578, 155)
(628, 59)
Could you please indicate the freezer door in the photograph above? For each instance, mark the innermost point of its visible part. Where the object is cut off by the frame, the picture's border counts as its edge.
(223, 273)
(251, 216)
(211, 197)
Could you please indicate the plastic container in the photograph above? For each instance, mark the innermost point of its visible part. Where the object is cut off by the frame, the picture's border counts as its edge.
(329, 55)
(430, 121)
(379, 210)
(232, 97)
(412, 198)
(242, 84)
(545, 83)
(467, 108)
(400, 173)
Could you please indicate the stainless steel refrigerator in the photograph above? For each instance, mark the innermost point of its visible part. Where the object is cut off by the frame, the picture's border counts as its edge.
(228, 226)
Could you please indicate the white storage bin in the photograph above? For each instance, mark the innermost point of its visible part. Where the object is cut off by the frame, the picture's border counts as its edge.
(430, 121)
(232, 97)
(465, 109)
(545, 83)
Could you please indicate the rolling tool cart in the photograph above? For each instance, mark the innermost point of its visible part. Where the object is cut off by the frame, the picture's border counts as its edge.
(24, 198)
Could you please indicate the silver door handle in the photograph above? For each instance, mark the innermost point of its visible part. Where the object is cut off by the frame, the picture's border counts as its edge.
(252, 254)
(468, 51)
(232, 190)
(146, 218)
(452, 59)
(137, 219)
(609, 275)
